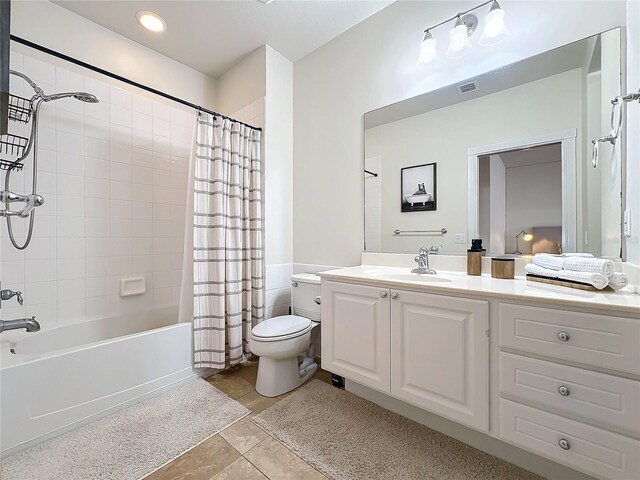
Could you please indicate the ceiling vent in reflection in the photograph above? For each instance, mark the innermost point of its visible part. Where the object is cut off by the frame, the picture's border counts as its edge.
(467, 87)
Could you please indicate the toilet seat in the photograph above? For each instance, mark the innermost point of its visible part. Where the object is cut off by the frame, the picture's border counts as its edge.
(281, 328)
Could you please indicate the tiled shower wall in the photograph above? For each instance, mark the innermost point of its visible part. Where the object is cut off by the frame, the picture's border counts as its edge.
(114, 177)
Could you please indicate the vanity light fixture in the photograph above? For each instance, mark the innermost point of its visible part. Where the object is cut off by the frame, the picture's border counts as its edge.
(151, 21)
(428, 52)
(459, 44)
(494, 31)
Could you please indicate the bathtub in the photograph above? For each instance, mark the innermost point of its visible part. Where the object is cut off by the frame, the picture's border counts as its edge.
(56, 380)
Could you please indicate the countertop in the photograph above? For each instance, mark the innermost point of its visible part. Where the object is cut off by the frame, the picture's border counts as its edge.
(516, 289)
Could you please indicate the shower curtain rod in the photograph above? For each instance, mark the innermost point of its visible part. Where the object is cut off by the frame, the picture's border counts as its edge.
(124, 79)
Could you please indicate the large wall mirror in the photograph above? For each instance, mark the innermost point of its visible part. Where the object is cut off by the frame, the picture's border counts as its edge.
(505, 156)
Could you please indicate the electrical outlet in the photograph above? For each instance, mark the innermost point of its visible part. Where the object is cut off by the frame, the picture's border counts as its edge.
(461, 238)
(627, 223)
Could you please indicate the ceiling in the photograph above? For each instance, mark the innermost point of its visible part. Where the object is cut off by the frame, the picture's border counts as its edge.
(532, 156)
(212, 36)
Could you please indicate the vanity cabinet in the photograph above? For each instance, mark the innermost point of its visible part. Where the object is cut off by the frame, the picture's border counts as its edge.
(429, 350)
(355, 333)
(440, 355)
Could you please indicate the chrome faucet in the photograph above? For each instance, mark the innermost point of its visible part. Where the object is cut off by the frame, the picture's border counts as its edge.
(30, 201)
(29, 324)
(9, 294)
(422, 259)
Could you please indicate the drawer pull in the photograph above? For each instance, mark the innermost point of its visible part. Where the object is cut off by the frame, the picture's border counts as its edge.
(564, 444)
(394, 295)
(564, 391)
(564, 336)
(383, 294)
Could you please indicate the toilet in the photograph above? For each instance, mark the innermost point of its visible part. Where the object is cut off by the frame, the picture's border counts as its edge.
(284, 343)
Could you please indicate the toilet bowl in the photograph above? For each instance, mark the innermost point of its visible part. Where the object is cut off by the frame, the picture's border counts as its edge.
(283, 343)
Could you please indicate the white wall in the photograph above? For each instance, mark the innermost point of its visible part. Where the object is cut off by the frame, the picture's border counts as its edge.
(534, 199)
(610, 156)
(279, 158)
(52, 26)
(243, 83)
(549, 105)
(373, 65)
(633, 128)
(497, 205)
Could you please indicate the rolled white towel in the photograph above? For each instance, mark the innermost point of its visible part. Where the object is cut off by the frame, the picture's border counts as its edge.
(618, 281)
(598, 280)
(550, 262)
(533, 269)
(591, 265)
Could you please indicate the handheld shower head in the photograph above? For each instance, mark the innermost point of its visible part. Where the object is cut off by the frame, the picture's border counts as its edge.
(86, 97)
(82, 96)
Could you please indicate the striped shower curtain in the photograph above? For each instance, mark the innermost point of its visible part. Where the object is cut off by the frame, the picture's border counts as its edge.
(228, 252)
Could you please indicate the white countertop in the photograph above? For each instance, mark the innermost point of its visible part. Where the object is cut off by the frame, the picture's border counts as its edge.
(516, 289)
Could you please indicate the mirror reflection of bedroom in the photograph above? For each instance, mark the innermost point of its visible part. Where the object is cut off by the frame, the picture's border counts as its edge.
(520, 200)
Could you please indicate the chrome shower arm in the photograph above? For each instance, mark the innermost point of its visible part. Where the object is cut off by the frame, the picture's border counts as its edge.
(33, 85)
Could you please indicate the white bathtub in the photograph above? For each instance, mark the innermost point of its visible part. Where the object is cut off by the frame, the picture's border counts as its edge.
(56, 380)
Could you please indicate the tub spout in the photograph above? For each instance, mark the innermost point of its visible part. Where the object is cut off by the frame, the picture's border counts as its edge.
(29, 324)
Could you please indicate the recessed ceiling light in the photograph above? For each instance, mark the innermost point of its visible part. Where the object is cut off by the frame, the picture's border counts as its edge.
(266, 2)
(151, 21)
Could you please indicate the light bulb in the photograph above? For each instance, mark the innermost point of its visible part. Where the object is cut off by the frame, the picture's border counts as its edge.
(527, 237)
(428, 52)
(459, 44)
(151, 21)
(494, 29)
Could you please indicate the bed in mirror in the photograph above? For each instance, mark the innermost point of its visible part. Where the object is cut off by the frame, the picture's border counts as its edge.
(513, 155)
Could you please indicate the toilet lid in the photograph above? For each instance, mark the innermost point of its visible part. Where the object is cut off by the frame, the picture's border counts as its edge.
(281, 326)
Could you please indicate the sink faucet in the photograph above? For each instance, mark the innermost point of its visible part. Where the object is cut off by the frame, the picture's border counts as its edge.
(29, 324)
(422, 259)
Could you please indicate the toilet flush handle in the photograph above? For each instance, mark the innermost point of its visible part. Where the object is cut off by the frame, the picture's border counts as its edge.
(317, 300)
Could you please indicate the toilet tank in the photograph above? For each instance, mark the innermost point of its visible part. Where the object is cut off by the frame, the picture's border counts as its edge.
(305, 288)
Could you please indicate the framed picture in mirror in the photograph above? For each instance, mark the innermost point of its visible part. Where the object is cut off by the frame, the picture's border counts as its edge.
(418, 188)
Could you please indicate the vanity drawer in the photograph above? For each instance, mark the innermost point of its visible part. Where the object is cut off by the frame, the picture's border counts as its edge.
(583, 447)
(599, 340)
(597, 398)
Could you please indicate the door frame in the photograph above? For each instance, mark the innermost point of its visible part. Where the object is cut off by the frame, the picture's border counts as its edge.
(567, 139)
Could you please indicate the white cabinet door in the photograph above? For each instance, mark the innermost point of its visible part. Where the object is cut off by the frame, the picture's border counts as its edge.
(440, 355)
(355, 333)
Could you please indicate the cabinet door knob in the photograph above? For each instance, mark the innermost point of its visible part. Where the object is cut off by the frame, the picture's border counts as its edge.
(564, 336)
(394, 295)
(564, 444)
(564, 391)
(317, 300)
(383, 294)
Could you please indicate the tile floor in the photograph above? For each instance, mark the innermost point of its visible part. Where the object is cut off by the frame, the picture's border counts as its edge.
(242, 451)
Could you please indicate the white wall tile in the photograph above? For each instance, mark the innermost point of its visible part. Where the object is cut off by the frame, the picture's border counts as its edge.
(70, 268)
(142, 104)
(120, 97)
(113, 200)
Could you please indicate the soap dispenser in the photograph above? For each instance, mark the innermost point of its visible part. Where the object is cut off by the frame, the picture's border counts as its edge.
(474, 257)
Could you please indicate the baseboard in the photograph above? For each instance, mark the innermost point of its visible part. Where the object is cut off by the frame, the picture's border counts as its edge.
(504, 451)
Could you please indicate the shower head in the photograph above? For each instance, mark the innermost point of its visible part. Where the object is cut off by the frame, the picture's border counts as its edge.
(86, 97)
(82, 96)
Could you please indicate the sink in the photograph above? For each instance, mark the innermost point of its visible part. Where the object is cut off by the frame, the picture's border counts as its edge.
(408, 277)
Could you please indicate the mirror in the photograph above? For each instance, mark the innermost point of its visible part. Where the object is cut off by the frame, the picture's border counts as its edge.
(505, 156)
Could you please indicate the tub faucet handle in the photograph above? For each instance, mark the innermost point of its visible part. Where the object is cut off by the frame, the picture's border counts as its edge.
(8, 294)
